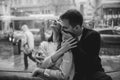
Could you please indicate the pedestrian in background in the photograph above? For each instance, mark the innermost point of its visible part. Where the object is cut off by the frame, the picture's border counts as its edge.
(28, 45)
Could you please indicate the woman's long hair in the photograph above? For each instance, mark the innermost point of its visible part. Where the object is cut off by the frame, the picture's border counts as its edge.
(57, 33)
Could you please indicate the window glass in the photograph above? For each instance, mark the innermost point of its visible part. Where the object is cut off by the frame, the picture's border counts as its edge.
(39, 14)
(12, 53)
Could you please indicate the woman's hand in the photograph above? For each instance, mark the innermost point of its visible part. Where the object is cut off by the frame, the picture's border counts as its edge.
(38, 71)
(65, 46)
(68, 44)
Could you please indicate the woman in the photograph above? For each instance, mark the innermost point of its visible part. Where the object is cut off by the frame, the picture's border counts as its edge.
(48, 48)
(57, 65)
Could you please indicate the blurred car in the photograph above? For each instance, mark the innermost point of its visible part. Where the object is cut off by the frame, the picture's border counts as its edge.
(109, 36)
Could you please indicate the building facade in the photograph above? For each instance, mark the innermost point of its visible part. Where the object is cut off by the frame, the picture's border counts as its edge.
(86, 8)
(103, 12)
(111, 12)
(40, 6)
(4, 14)
(25, 7)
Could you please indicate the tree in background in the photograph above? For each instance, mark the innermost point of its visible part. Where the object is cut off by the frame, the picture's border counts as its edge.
(96, 6)
(62, 5)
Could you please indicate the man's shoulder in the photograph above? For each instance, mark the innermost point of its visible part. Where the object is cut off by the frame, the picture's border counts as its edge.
(89, 32)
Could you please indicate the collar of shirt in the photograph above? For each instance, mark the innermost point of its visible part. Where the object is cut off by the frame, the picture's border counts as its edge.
(79, 37)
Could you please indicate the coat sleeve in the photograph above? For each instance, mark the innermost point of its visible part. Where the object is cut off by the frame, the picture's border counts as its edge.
(47, 61)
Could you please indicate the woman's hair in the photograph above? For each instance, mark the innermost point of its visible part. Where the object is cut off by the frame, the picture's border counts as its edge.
(50, 39)
(57, 34)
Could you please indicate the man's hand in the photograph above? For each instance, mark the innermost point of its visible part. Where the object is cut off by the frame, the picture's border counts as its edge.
(38, 71)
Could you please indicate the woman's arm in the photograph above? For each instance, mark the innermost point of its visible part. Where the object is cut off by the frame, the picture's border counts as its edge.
(50, 61)
(67, 45)
(62, 71)
(65, 67)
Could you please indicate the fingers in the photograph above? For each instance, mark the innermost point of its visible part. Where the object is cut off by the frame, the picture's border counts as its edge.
(71, 38)
(69, 46)
(74, 43)
(70, 41)
(73, 46)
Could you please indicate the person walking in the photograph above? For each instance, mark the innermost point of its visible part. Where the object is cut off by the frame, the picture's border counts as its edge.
(28, 45)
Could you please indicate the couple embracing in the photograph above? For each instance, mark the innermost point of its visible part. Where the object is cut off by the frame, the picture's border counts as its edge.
(76, 51)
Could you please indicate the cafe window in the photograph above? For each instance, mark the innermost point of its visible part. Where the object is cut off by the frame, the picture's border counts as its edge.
(112, 15)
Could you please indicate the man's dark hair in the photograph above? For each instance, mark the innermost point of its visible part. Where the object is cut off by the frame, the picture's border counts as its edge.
(73, 16)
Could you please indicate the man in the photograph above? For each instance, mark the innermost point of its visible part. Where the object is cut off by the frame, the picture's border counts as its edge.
(28, 45)
(86, 54)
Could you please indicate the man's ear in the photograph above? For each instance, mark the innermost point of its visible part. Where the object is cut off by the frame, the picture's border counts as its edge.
(77, 27)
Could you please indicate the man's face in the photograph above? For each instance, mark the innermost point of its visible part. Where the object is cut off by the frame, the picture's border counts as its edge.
(66, 26)
(74, 30)
(65, 36)
(67, 30)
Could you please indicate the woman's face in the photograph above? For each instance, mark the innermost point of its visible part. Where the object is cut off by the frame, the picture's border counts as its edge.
(56, 32)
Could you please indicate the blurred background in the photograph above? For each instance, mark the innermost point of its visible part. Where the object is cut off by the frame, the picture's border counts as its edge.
(100, 15)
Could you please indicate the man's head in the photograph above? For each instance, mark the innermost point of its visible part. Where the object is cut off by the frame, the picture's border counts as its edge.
(72, 21)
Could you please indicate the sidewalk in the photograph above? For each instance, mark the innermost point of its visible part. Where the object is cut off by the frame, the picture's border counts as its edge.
(111, 64)
(115, 75)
